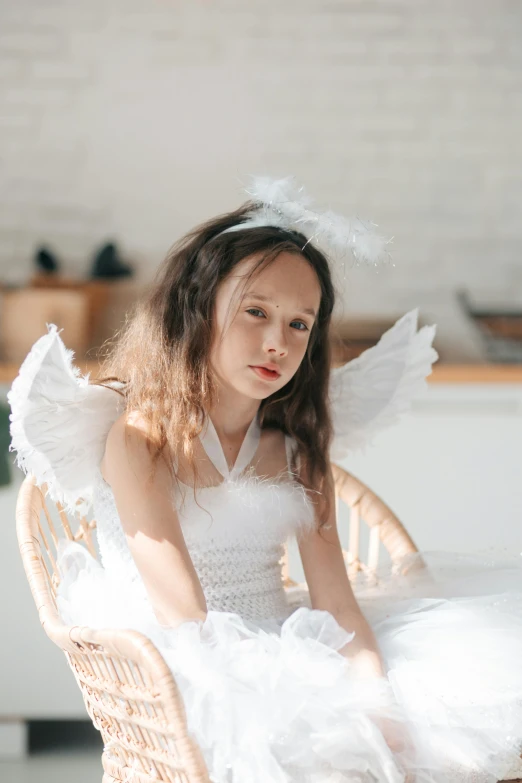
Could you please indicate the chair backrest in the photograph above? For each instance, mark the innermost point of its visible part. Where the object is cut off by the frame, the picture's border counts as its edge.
(129, 691)
(385, 529)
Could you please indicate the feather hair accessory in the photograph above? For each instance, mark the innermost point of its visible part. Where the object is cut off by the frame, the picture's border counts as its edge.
(284, 204)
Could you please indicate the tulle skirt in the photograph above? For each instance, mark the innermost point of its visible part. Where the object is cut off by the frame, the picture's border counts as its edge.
(275, 701)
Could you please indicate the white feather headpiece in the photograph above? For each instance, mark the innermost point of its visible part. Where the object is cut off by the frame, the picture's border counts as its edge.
(283, 204)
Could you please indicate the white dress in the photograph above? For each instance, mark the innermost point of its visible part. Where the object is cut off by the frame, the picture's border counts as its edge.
(268, 696)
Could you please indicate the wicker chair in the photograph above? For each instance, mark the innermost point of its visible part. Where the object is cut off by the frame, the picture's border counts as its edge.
(129, 691)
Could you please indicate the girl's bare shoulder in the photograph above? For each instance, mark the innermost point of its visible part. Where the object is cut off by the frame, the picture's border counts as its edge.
(127, 437)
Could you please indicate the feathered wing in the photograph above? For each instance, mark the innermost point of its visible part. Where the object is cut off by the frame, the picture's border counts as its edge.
(60, 422)
(370, 392)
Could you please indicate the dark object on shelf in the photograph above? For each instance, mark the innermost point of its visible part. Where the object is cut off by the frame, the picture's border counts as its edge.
(500, 330)
(107, 263)
(46, 261)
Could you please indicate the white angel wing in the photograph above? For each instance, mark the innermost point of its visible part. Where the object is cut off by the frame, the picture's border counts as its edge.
(60, 422)
(370, 392)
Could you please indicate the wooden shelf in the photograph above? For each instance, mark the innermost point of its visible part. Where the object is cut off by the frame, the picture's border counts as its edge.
(9, 371)
(476, 373)
(442, 373)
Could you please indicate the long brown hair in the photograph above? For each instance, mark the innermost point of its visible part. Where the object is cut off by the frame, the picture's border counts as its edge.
(162, 352)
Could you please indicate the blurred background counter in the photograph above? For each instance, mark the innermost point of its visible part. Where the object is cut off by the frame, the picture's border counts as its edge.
(475, 344)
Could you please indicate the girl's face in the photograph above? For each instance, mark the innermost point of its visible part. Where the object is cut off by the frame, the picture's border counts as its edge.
(270, 322)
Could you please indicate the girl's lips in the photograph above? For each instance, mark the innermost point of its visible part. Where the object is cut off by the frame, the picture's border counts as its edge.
(266, 375)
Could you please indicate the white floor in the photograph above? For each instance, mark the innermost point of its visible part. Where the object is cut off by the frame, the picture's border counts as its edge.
(78, 767)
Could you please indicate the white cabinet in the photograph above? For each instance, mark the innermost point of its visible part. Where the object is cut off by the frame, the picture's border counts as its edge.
(451, 470)
(35, 680)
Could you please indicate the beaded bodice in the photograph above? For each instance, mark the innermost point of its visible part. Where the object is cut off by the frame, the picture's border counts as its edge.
(235, 532)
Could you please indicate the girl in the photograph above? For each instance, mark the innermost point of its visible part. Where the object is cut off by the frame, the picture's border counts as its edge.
(205, 447)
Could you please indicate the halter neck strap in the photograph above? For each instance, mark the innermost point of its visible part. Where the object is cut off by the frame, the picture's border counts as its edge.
(214, 450)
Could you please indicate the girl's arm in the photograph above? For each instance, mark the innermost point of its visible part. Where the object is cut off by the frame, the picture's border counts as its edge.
(330, 590)
(151, 524)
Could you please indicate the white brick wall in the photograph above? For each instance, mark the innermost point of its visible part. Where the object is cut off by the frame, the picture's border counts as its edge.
(135, 119)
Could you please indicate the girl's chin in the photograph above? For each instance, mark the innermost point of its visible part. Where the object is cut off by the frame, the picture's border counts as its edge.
(254, 388)
(259, 390)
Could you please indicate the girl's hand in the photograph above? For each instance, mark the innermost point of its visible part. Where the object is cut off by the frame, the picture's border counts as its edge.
(400, 742)
(395, 733)
(366, 662)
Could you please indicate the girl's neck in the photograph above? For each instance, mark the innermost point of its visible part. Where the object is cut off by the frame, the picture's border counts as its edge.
(231, 423)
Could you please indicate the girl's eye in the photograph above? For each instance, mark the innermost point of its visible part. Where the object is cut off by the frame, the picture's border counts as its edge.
(256, 310)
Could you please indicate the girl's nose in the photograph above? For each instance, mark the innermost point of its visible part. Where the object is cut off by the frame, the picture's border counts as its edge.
(275, 342)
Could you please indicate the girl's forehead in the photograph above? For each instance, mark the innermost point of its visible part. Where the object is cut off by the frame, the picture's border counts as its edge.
(287, 271)
(289, 280)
